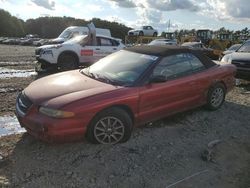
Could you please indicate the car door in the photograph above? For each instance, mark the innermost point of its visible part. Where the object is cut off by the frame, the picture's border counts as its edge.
(178, 93)
(116, 45)
(87, 52)
(105, 48)
(92, 53)
(204, 77)
(148, 31)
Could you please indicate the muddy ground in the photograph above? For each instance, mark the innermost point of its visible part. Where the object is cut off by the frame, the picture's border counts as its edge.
(171, 152)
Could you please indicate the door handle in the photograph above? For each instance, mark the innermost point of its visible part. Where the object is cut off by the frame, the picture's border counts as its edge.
(114, 48)
(97, 48)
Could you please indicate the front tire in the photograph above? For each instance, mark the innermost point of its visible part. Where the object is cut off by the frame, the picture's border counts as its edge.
(67, 62)
(141, 33)
(110, 126)
(216, 96)
(155, 34)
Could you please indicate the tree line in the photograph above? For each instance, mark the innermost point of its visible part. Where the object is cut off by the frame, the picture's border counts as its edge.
(51, 27)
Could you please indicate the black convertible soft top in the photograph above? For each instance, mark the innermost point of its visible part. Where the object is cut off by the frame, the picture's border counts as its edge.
(164, 51)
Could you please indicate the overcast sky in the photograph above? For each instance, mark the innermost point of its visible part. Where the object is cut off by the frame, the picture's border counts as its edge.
(184, 14)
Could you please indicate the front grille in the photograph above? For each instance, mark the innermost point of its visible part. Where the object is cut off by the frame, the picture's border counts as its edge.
(23, 104)
(241, 63)
(38, 51)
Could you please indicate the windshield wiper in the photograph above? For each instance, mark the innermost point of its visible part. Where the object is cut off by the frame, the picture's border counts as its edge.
(102, 78)
(87, 73)
(109, 80)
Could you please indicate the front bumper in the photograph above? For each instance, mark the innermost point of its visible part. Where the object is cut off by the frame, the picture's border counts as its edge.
(42, 66)
(243, 73)
(47, 128)
(51, 129)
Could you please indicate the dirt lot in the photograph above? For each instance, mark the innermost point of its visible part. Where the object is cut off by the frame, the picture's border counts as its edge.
(171, 152)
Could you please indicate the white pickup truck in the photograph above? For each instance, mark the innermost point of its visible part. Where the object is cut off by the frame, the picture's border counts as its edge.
(80, 50)
(73, 31)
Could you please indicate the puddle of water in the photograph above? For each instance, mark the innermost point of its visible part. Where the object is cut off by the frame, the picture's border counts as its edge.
(14, 63)
(9, 125)
(10, 73)
(10, 90)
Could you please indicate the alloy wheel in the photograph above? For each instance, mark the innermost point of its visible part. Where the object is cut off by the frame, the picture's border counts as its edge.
(217, 97)
(109, 130)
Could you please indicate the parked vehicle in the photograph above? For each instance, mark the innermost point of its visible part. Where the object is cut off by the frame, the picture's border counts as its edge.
(230, 50)
(3, 39)
(73, 31)
(80, 50)
(31, 36)
(241, 59)
(28, 41)
(201, 47)
(125, 89)
(40, 42)
(12, 41)
(163, 42)
(144, 31)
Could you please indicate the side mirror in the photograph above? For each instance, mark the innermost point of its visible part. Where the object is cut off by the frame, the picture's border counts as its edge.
(158, 79)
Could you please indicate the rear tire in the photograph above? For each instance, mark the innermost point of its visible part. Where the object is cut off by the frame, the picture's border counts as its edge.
(110, 126)
(216, 96)
(141, 33)
(67, 62)
(155, 34)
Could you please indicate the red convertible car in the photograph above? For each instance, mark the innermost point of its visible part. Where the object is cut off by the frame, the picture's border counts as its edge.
(105, 101)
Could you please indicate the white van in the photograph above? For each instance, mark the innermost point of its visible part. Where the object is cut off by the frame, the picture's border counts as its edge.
(73, 31)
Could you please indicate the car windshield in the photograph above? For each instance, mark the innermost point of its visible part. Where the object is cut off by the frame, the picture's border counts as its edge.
(245, 47)
(234, 47)
(158, 42)
(65, 34)
(81, 39)
(120, 68)
(189, 45)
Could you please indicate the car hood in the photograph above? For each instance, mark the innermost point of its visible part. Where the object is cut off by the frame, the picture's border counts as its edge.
(63, 88)
(240, 56)
(228, 52)
(56, 41)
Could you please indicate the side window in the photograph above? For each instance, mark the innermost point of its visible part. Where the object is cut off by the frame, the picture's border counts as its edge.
(115, 43)
(73, 34)
(197, 65)
(174, 66)
(104, 42)
(196, 46)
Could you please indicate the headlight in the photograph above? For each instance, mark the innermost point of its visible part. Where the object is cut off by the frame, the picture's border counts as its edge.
(47, 52)
(55, 113)
(226, 59)
(57, 46)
